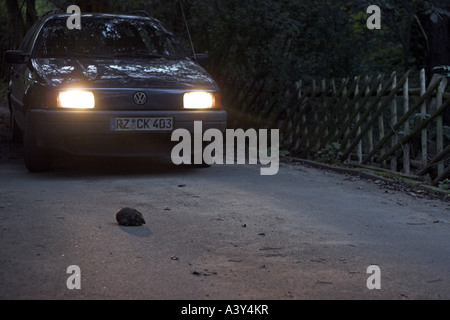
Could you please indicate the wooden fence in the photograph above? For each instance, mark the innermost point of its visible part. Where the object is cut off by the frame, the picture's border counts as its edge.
(381, 122)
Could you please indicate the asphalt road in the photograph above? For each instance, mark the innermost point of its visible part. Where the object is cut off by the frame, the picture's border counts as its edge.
(224, 232)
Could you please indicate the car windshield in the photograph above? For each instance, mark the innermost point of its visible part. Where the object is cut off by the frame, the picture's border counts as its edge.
(108, 37)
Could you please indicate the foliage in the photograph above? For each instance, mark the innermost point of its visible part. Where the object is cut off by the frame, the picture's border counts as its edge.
(330, 153)
(260, 48)
(446, 130)
(445, 184)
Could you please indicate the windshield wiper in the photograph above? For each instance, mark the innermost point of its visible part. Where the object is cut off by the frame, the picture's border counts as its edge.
(75, 54)
(139, 54)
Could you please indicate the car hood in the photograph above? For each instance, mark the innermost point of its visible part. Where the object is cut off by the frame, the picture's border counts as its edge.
(123, 73)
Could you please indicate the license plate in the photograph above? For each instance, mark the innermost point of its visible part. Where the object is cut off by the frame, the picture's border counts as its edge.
(142, 124)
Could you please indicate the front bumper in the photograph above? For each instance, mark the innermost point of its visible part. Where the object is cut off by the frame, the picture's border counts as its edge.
(89, 132)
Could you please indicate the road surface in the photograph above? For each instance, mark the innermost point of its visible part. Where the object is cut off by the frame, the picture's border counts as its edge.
(224, 232)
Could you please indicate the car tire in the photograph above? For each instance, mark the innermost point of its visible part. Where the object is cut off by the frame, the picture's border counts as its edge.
(36, 159)
(15, 134)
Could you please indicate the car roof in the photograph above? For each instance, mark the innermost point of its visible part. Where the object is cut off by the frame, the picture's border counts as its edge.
(104, 15)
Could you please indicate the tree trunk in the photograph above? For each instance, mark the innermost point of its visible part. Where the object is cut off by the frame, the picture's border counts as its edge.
(31, 13)
(16, 21)
(439, 44)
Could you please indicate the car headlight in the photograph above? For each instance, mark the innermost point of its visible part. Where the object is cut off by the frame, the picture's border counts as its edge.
(76, 99)
(198, 100)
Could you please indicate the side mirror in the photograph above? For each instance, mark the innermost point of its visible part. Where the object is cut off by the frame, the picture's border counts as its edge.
(16, 56)
(202, 59)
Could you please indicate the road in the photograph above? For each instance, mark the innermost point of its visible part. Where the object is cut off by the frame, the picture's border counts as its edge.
(223, 232)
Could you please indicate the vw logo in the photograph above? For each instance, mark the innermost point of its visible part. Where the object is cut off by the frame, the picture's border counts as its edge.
(140, 98)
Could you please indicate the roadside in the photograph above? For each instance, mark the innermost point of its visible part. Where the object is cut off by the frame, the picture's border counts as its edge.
(8, 151)
(385, 180)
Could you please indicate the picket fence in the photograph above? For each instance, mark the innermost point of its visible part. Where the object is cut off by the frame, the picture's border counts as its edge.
(376, 123)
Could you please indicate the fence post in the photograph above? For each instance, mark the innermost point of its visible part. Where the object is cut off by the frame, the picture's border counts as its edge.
(393, 123)
(423, 111)
(406, 162)
(305, 124)
(325, 118)
(381, 123)
(370, 132)
(439, 124)
(358, 116)
(344, 94)
(298, 86)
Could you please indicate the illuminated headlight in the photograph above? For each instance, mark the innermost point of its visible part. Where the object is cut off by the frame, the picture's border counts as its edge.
(76, 99)
(198, 100)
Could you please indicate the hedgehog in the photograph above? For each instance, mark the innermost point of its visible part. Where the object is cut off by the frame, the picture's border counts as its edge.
(129, 217)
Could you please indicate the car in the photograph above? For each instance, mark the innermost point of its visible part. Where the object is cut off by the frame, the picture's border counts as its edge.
(118, 86)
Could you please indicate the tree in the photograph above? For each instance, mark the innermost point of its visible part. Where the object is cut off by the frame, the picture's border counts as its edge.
(414, 21)
(436, 22)
(16, 22)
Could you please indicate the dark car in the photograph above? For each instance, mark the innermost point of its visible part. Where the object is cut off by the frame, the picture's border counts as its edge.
(116, 87)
